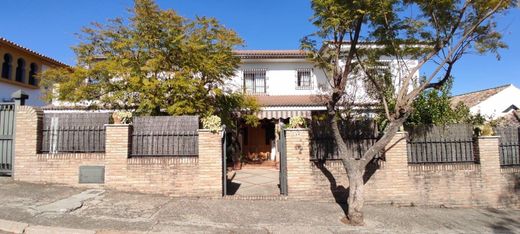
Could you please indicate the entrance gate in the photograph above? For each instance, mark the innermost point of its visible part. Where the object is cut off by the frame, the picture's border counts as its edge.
(224, 160)
(6, 137)
(283, 163)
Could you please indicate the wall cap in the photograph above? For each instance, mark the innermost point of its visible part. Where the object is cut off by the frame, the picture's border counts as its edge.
(297, 129)
(488, 137)
(118, 125)
(208, 130)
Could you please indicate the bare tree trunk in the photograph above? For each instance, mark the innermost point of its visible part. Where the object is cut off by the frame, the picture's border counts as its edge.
(355, 168)
(356, 199)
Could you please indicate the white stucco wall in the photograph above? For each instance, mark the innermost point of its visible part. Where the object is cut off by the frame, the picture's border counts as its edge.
(35, 95)
(281, 75)
(495, 106)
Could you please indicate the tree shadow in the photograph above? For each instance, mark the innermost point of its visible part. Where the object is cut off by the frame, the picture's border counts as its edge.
(340, 193)
(232, 187)
(505, 223)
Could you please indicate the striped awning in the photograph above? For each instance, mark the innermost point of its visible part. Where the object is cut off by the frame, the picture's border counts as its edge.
(284, 114)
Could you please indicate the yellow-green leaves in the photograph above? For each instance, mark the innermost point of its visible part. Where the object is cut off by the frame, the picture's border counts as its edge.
(155, 62)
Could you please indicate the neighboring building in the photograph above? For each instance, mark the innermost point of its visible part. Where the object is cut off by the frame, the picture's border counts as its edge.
(491, 103)
(19, 69)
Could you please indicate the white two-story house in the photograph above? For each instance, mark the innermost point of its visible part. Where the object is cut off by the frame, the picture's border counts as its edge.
(285, 84)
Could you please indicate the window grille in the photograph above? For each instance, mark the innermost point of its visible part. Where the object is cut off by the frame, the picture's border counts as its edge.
(304, 79)
(254, 81)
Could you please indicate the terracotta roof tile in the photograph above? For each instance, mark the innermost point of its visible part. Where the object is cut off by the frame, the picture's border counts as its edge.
(266, 54)
(474, 98)
(32, 52)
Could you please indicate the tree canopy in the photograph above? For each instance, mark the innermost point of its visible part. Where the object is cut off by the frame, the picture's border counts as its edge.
(358, 36)
(434, 107)
(155, 62)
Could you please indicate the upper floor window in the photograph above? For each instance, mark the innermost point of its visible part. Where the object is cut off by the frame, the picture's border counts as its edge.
(20, 70)
(32, 74)
(6, 66)
(254, 81)
(303, 78)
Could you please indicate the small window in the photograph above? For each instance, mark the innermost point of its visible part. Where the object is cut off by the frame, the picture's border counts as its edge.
(20, 70)
(304, 79)
(6, 66)
(32, 74)
(254, 81)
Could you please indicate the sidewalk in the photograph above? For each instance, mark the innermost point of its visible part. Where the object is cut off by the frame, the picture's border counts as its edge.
(109, 211)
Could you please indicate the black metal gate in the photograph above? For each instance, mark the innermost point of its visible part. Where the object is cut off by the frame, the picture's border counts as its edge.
(224, 159)
(283, 162)
(6, 137)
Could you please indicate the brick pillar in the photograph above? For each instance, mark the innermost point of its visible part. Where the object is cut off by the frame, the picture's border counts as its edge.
(28, 135)
(397, 185)
(299, 172)
(490, 168)
(209, 183)
(117, 150)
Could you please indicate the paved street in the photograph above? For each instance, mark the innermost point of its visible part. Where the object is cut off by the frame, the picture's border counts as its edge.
(97, 209)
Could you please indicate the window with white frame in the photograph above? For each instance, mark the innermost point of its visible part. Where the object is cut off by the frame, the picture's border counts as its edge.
(304, 78)
(254, 81)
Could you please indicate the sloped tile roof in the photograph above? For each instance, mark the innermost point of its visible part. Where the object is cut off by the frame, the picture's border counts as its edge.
(32, 52)
(270, 54)
(474, 98)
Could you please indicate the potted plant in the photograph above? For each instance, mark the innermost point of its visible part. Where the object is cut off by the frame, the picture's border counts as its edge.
(237, 163)
(297, 122)
(212, 122)
(122, 117)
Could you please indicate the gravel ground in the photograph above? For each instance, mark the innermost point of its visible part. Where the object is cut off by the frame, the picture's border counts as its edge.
(152, 213)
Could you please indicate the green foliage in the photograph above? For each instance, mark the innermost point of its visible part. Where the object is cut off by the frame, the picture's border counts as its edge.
(234, 106)
(213, 123)
(484, 130)
(154, 63)
(124, 116)
(434, 106)
(297, 122)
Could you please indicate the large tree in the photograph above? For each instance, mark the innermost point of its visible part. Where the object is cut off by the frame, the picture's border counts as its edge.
(437, 33)
(155, 62)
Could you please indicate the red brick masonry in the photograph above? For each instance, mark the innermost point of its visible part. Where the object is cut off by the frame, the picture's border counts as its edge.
(176, 176)
(391, 181)
(396, 181)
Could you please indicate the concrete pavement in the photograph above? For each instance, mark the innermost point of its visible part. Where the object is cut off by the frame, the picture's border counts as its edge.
(116, 212)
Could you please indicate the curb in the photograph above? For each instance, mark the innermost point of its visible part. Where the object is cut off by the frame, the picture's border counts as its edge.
(19, 227)
(12, 226)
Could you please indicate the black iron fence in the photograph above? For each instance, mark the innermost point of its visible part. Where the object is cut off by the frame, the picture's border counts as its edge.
(165, 136)
(161, 143)
(326, 148)
(358, 135)
(441, 144)
(73, 132)
(509, 146)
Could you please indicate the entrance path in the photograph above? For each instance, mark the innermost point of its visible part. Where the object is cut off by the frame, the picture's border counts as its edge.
(124, 212)
(255, 182)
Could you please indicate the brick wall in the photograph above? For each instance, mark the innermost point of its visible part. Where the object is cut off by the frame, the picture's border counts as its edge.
(391, 181)
(397, 182)
(176, 176)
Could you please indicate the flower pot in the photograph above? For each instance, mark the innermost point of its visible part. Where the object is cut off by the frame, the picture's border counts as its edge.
(237, 165)
(117, 119)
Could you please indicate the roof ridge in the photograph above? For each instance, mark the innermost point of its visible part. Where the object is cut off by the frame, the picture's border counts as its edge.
(16, 45)
(482, 90)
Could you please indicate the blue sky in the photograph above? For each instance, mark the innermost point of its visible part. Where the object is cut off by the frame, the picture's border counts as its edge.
(49, 27)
